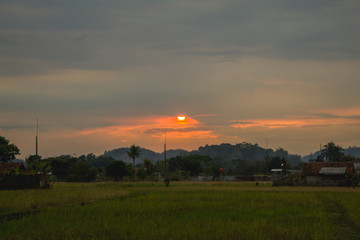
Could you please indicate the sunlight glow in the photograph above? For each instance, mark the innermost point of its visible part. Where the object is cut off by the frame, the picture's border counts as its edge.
(181, 118)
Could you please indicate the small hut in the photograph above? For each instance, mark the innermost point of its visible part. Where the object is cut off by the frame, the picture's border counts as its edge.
(13, 175)
(8, 167)
(328, 173)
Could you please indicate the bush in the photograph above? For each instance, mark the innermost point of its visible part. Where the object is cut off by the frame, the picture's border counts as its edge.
(82, 172)
(117, 170)
(141, 174)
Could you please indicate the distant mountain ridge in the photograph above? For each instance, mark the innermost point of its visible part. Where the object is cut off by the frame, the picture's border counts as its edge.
(120, 154)
(226, 151)
(351, 151)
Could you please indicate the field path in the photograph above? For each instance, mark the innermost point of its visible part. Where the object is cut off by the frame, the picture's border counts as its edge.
(338, 215)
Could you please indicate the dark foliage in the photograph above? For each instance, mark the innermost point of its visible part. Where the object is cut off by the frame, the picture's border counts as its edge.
(117, 170)
(100, 162)
(332, 153)
(134, 152)
(7, 151)
(222, 154)
(61, 166)
(82, 172)
(248, 168)
(278, 163)
(191, 164)
(11, 181)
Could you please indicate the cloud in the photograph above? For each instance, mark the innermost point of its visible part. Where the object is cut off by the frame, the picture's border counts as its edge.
(154, 127)
(118, 70)
(14, 126)
(177, 130)
(322, 118)
(146, 125)
(186, 132)
(115, 35)
(344, 112)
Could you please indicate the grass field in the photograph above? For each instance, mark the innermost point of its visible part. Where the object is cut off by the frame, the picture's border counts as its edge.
(181, 211)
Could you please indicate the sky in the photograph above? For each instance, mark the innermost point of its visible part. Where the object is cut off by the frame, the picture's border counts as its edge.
(100, 75)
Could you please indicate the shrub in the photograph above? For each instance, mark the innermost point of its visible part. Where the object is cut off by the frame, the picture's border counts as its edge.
(117, 170)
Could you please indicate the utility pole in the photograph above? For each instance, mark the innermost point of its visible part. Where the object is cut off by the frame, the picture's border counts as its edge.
(166, 179)
(266, 156)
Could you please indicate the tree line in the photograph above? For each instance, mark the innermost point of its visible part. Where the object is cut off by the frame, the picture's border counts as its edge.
(87, 168)
(333, 153)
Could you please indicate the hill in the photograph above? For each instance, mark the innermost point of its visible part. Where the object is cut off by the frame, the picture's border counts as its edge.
(225, 151)
(351, 151)
(120, 154)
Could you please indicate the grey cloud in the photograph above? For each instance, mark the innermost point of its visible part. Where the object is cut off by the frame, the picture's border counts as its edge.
(7, 127)
(94, 35)
(334, 116)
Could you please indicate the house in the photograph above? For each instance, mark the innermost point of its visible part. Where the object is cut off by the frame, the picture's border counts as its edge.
(8, 167)
(13, 175)
(328, 173)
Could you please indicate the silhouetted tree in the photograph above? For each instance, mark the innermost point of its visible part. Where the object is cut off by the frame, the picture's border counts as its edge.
(32, 162)
(332, 152)
(82, 172)
(141, 173)
(41, 167)
(213, 170)
(149, 167)
(278, 163)
(134, 152)
(117, 170)
(61, 166)
(191, 164)
(7, 151)
(100, 161)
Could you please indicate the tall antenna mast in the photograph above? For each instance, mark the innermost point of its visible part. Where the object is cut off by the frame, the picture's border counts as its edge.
(37, 133)
(266, 155)
(165, 154)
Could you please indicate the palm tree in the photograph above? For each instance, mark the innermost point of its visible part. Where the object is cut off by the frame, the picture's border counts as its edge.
(332, 152)
(134, 152)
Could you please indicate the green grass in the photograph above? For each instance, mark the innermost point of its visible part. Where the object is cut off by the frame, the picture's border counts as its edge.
(181, 211)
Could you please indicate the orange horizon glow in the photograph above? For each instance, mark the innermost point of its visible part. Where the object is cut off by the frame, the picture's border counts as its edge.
(177, 127)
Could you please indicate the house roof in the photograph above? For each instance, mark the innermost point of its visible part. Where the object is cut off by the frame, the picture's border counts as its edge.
(328, 168)
(6, 167)
(332, 170)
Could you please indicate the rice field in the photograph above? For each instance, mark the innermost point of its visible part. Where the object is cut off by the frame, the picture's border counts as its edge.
(184, 210)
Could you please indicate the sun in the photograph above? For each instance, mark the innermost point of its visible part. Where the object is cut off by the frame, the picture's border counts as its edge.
(181, 118)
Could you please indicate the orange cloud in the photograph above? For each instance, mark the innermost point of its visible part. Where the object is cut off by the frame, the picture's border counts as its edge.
(154, 126)
(328, 117)
(297, 123)
(187, 132)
